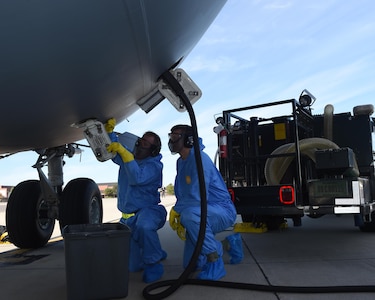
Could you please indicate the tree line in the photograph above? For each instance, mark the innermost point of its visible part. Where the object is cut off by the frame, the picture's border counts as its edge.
(111, 192)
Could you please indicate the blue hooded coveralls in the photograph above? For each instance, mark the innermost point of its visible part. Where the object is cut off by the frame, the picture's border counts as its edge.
(221, 212)
(138, 184)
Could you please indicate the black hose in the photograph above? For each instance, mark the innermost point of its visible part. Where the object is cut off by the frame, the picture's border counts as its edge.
(175, 284)
(281, 289)
(183, 279)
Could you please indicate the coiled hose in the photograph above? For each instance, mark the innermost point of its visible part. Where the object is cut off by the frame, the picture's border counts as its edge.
(276, 167)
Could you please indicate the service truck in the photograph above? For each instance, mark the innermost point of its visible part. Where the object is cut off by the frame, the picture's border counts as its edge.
(281, 161)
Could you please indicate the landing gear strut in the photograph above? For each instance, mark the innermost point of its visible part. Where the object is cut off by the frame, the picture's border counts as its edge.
(34, 205)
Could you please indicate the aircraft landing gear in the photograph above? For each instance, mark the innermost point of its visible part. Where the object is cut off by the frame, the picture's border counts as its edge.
(34, 205)
(27, 218)
(81, 203)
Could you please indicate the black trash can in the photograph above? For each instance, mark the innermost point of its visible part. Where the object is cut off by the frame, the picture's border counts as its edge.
(96, 260)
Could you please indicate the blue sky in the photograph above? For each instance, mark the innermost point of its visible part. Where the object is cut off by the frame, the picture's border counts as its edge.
(256, 51)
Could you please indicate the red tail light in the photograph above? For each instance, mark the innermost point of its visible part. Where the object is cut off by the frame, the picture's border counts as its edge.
(286, 194)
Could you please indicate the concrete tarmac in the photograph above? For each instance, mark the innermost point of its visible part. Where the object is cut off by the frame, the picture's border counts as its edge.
(324, 252)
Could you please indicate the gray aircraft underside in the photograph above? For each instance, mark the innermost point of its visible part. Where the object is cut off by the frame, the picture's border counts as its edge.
(62, 62)
(66, 62)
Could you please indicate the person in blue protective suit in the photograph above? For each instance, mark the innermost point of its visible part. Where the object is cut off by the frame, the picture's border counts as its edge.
(139, 179)
(185, 216)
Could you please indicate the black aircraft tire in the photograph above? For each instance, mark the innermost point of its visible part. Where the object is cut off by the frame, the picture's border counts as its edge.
(81, 203)
(27, 219)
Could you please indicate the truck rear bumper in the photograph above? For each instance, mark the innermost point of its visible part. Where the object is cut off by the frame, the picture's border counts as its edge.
(341, 196)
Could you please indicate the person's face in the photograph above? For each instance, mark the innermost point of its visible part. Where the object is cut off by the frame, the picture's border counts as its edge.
(144, 147)
(176, 141)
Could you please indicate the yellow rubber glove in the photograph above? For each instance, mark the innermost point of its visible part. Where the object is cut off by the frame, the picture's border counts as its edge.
(181, 232)
(174, 222)
(174, 218)
(116, 147)
(110, 125)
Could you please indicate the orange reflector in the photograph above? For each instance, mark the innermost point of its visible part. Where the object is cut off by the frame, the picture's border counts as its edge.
(286, 194)
(231, 192)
